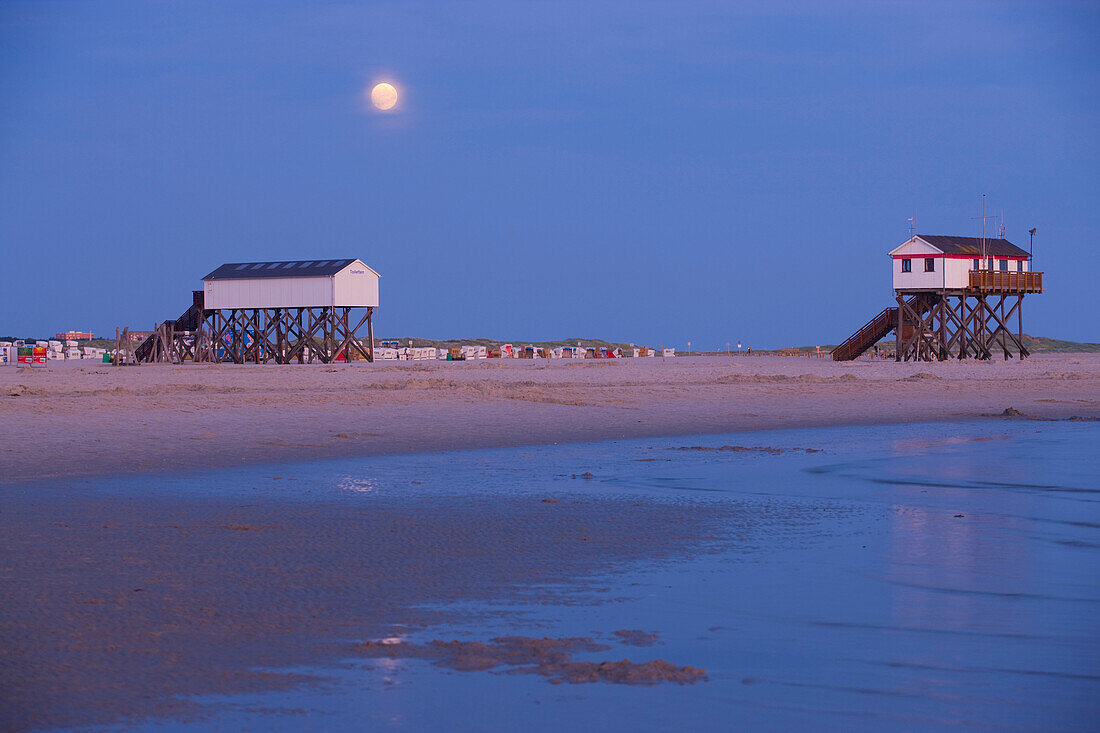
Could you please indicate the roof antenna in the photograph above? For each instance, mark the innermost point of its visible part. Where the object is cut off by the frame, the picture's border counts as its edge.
(911, 227)
(983, 217)
(1002, 223)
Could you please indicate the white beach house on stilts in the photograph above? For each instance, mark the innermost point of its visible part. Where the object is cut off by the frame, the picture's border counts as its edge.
(928, 262)
(956, 297)
(280, 312)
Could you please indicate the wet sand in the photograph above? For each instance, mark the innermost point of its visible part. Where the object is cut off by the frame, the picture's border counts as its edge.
(116, 604)
(77, 418)
(850, 579)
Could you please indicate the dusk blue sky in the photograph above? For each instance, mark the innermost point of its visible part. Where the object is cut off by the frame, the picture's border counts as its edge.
(645, 172)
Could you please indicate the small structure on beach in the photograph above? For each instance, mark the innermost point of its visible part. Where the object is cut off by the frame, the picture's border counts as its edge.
(956, 298)
(286, 311)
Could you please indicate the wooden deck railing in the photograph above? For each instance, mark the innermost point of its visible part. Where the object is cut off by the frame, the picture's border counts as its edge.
(998, 281)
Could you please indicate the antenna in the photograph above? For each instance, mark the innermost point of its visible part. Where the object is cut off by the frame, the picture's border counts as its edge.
(1002, 223)
(983, 217)
(911, 224)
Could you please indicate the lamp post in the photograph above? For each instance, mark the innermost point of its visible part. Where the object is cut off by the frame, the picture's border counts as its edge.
(1031, 248)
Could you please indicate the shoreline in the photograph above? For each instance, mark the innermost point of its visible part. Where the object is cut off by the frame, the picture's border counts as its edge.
(76, 420)
(132, 601)
(277, 458)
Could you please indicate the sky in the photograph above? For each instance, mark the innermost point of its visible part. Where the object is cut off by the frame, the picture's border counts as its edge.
(654, 173)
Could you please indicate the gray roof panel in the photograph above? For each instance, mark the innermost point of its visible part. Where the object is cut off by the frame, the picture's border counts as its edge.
(973, 246)
(301, 268)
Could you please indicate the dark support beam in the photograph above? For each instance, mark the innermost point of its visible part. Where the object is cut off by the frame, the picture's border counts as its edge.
(897, 329)
(943, 325)
(370, 332)
(261, 336)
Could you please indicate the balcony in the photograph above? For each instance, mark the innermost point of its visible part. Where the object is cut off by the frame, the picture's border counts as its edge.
(1004, 282)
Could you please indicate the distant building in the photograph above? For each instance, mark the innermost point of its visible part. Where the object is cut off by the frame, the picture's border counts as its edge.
(74, 336)
(140, 335)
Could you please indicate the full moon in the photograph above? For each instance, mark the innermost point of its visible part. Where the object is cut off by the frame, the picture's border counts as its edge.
(383, 96)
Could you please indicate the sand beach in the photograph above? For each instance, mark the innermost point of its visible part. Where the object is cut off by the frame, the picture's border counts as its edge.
(265, 547)
(74, 418)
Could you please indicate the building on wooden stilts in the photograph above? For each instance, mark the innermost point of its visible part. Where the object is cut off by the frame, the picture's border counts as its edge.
(273, 312)
(957, 298)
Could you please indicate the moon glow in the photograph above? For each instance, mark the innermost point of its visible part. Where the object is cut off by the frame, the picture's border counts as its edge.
(383, 96)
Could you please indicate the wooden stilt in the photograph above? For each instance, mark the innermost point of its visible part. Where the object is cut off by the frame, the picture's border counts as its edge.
(370, 333)
(260, 336)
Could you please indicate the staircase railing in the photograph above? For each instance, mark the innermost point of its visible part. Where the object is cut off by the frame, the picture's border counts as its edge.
(867, 336)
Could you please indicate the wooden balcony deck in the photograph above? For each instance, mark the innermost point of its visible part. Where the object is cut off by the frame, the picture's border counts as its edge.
(998, 281)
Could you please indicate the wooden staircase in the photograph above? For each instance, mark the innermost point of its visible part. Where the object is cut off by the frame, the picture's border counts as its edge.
(150, 350)
(875, 330)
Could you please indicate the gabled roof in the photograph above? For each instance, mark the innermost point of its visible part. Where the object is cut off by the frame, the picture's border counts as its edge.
(973, 246)
(294, 268)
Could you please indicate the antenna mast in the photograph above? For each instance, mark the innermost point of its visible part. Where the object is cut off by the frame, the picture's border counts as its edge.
(983, 217)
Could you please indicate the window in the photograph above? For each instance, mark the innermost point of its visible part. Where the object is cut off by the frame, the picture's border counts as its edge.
(1019, 265)
(1004, 265)
(975, 264)
(989, 266)
(907, 265)
(929, 264)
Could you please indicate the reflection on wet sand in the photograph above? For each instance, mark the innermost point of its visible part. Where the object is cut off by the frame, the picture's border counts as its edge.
(881, 583)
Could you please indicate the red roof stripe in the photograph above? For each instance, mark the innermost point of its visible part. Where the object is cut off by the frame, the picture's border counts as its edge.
(954, 257)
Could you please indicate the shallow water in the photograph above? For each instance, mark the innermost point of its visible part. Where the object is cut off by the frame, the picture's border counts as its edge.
(904, 577)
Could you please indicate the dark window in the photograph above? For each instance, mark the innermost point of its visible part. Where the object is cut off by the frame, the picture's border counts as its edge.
(929, 264)
(990, 265)
(1004, 265)
(907, 265)
(1019, 265)
(976, 265)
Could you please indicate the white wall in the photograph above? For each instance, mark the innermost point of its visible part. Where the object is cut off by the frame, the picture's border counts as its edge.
(1011, 265)
(917, 278)
(958, 269)
(957, 273)
(952, 273)
(274, 292)
(354, 286)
